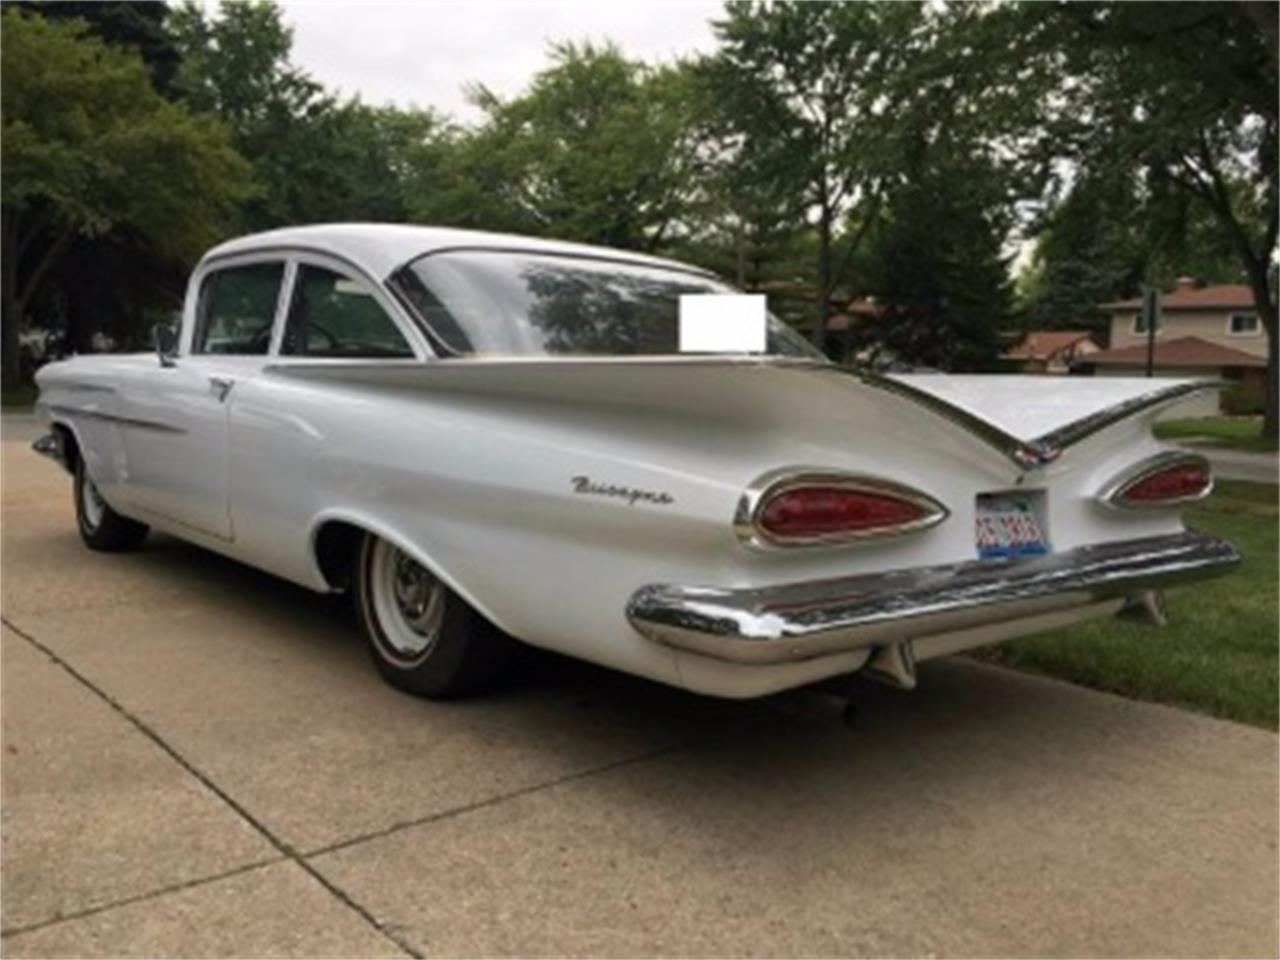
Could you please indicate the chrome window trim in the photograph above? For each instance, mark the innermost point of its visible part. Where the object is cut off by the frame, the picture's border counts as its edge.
(1112, 492)
(282, 315)
(746, 517)
(389, 305)
(206, 268)
(620, 257)
(444, 351)
(399, 310)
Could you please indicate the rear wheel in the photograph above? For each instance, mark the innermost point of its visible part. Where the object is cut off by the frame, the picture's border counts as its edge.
(423, 637)
(102, 528)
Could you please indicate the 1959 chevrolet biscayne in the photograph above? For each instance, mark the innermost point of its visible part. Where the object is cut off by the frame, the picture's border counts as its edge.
(484, 437)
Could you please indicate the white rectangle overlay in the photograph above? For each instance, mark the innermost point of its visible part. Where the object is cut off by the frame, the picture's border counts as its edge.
(722, 323)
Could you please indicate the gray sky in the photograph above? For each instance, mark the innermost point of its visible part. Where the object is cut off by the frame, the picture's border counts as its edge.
(422, 53)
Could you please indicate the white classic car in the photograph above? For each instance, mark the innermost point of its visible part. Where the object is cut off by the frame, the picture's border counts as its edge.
(488, 437)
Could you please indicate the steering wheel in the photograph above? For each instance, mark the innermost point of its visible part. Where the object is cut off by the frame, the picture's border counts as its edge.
(260, 342)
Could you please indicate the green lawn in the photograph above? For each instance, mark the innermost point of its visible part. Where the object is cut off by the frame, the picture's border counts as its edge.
(1238, 433)
(1218, 655)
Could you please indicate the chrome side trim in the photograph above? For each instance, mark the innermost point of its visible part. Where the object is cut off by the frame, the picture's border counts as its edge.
(1078, 430)
(1026, 456)
(1033, 454)
(1111, 495)
(746, 516)
(116, 418)
(799, 621)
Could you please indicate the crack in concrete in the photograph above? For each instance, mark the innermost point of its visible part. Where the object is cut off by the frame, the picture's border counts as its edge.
(502, 797)
(139, 897)
(279, 843)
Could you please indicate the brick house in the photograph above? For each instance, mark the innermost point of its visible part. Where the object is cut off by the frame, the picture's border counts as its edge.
(1212, 332)
(1052, 351)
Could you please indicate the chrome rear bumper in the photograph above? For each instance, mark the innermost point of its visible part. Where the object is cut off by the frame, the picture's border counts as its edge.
(800, 621)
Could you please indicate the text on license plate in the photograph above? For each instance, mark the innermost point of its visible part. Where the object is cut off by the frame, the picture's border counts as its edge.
(1007, 526)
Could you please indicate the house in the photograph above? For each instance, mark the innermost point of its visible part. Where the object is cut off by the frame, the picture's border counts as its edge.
(1051, 351)
(1211, 332)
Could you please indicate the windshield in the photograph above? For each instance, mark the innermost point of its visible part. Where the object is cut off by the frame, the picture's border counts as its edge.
(501, 304)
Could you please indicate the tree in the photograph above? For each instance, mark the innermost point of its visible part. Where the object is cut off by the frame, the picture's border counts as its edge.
(314, 158)
(814, 90)
(88, 146)
(1182, 94)
(110, 283)
(934, 259)
(596, 150)
(137, 25)
(1107, 239)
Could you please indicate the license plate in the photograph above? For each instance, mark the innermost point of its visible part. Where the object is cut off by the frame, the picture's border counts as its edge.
(1007, 526)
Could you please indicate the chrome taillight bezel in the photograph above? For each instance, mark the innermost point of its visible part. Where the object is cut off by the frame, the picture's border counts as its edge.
(756, 497)
(1112, 494)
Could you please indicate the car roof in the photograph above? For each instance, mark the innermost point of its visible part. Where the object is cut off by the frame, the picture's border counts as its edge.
(382, 248)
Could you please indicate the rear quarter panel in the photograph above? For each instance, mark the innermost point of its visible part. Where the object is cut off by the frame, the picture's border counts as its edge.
(475, 475)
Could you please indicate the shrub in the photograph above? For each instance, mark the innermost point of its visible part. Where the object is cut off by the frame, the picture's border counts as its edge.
(1244, 397)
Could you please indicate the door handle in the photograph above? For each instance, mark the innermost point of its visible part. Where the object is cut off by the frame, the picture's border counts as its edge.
(220, 387)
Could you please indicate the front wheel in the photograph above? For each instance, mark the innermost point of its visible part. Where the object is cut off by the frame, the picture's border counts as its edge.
(423, 637)
(101, 528)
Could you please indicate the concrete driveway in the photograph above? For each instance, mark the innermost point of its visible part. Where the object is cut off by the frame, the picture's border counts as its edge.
(198, 760)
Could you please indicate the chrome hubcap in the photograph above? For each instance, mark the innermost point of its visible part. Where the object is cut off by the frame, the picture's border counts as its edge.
(92, 504)
(409, 602)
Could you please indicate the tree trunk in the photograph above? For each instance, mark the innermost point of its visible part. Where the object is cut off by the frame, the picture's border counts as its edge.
(1270, 318)
(740, 242)
(10, 307)
(1263, 302)
(824, 277)
(1271, 411)
(10, 343)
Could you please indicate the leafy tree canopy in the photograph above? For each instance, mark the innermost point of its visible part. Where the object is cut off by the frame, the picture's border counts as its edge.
(314, 158)
(598, 149)
(89, 146)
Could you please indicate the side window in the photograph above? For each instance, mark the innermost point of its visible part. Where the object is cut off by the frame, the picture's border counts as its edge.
(1244, 324)
(1140, 324)
(332, 315)
(236, 309)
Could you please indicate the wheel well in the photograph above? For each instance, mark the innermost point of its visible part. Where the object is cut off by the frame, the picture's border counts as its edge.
(336, 544)
(70, 446)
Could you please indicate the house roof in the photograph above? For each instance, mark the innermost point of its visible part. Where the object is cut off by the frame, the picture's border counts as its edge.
(865, 308)
(1182, 352)
(381, 248)
(1041, 344)
(1187, 296)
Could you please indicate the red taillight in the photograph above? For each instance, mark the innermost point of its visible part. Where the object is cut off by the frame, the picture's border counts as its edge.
(1165, 481)
(827, 508)
(820, 511)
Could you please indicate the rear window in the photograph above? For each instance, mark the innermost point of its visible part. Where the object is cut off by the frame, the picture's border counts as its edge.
(494, 304)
